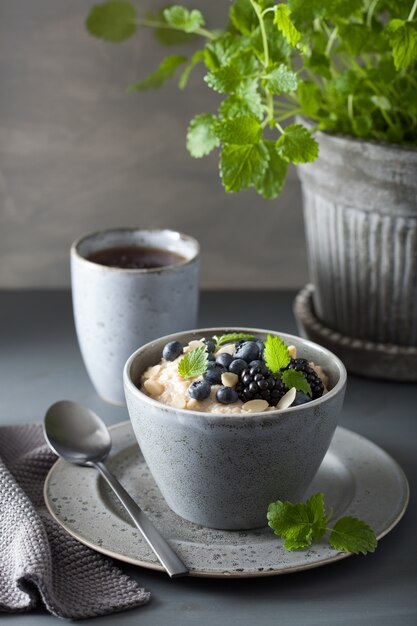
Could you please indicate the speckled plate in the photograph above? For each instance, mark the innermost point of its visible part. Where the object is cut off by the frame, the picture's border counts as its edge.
(356, 476)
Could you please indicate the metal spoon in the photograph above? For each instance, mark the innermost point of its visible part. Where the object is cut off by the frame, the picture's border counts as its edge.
(79, 436)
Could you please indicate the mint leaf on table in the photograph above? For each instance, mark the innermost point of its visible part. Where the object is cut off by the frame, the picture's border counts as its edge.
(284, 23)
(301, 523)
(112, 21)
(276, 354)
(241, 165)
(201, 137)
(182, 18)
(402, 37)
(297, 145)
(166, 70)
(294, 378)
(242, 130)
(231, 337)
(351, 534)
(280, 79)
(272, 180)
(194, 363)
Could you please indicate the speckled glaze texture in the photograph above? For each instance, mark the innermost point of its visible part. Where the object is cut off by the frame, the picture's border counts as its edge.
(360, 213)
(117, 310)
(222, 471)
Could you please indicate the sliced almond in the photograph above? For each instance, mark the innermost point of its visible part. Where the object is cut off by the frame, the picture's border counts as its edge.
(178, 401)
(255, 406)
(152, 371)
(228, 348)
(153, 387)
(229, 379)
(293, 351)
(287, 399)
(192, 345)
(192, 403)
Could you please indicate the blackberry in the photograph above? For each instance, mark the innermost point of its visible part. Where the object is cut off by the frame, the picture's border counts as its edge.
(257, 384)
(316, 384)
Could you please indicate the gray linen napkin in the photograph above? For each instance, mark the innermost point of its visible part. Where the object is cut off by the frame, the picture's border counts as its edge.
(39, 561)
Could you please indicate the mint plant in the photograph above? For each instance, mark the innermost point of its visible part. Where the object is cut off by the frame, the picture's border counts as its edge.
(348, 66)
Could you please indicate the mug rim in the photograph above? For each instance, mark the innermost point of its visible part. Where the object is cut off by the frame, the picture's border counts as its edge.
(339, 386)
(75, 253)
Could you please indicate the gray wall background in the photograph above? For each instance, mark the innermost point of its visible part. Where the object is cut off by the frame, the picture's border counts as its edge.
(78, 153)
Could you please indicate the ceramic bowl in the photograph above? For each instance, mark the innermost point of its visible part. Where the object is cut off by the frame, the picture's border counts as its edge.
(222, 471)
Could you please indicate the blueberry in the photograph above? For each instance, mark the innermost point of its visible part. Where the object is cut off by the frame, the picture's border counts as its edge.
(199, 390)
(213, 374)
(211, 346)
(261, 346)
(301, 398)
(256, 363)
(248, 351)
(224, 359)
(172, 350)
(211, 356)
(237, 366)
(226, 395)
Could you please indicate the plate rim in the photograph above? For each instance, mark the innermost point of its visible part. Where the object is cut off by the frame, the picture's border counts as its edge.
(226, 574)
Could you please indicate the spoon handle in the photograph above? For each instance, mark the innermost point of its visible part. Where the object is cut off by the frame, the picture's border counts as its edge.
(166, 555)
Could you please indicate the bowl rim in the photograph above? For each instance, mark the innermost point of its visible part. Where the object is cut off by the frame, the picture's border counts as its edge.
(76, 254)
(130, 385)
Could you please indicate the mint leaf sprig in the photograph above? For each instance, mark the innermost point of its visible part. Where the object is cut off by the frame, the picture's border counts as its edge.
(349, 67)
(302, 523)
(194, 363)
(231, 337)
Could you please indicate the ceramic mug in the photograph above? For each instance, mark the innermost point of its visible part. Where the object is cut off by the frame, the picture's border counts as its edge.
(222, 470)
(117, 310)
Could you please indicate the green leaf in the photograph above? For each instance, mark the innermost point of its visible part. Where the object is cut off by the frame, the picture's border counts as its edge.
(168, 36)
(247, 103)
(166, 69)
(240, 166)
(402, 37)
(188, 21)
(292, 523)
(279, 48)
(297, 145)
(231, 337)
(196, 58)
(351, 534)
(309, 97)
(112, 21)
(243, 16)
(237, 75)
(317, 515)
(281, 80)
(194, 363)
(271, 182)
(276, 354)
(381, 102)
(243, 130)
(283, 21)
(293, 378)
(222, 49)
(354, 37)
(201, 137)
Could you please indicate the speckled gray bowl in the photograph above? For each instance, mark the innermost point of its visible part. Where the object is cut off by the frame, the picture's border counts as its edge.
(222, 471)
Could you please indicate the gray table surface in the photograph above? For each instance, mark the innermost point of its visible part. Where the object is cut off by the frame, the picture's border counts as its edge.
(40, 363)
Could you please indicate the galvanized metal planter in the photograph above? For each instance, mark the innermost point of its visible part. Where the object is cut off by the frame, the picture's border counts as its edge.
(360, 211)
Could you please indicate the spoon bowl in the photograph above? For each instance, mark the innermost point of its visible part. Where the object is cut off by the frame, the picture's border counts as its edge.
(78, 435)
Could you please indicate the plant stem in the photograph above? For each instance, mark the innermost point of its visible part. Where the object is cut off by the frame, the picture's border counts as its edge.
(412, 12)
(281, 130)
(263, 32)
(350, 106)
(371, 10)
(331, 41)
(155, 24)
